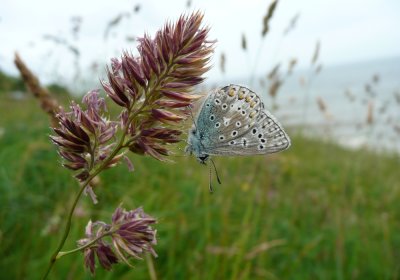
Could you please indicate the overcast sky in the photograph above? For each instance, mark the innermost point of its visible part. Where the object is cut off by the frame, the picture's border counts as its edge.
(349, 31)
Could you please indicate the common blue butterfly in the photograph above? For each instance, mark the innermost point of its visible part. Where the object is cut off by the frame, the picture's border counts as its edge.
(232, 121)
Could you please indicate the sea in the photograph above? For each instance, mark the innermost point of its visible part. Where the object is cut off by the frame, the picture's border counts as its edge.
(356, 105)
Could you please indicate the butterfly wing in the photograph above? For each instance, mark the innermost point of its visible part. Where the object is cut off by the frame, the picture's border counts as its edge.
(233, 121)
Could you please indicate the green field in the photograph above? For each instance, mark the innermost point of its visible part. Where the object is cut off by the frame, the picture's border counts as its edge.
(316, 211)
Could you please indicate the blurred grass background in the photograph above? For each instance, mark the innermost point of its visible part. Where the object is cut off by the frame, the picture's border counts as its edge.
(316, 211)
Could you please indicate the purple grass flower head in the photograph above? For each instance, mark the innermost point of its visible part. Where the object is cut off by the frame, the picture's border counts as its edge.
(105, 255)
(154, 91)
(154, 94)
(131, 235)
(155, 88)
(84, 135)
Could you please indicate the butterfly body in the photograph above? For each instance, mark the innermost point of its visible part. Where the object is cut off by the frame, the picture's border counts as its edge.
(232, 121)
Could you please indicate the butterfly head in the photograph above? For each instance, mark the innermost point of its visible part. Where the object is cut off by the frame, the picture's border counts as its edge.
(195, 146)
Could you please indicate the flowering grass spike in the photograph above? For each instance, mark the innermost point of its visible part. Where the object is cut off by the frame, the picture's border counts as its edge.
(154, 92)
(131, 234)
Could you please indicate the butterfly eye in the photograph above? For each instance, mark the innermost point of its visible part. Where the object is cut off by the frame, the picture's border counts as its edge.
(193, 131)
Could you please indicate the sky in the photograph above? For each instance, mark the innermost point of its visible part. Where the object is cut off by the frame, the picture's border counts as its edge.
(348, 31)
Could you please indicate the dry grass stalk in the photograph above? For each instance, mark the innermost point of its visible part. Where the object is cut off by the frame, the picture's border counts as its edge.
(113, 23)
(292, 64)
(376, 78)
(274, 71)
(318, 69)
(383, 107)
(370, 115)
(265, 246)
(368, 88)
(47, 102)
(222, 62)
(268, 16)
(292, 24)
(218, 250)
(276, 84)
(76, 26)
(302, 81)
(324, 108)
(397, 96)
(321, 105)
(63, 42)
(396, 128)
(137, 8)
(244, 42)
(316, 53)
(130, 38)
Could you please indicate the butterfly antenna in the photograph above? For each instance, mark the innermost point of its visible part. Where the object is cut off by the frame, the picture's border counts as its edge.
(216, 172)
(210, 184)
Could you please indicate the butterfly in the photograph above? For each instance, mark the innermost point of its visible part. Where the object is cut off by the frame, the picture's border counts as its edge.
(232, 121)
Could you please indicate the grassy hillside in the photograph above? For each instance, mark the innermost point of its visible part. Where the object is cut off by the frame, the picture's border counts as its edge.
(12, 84)
(316, 211)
